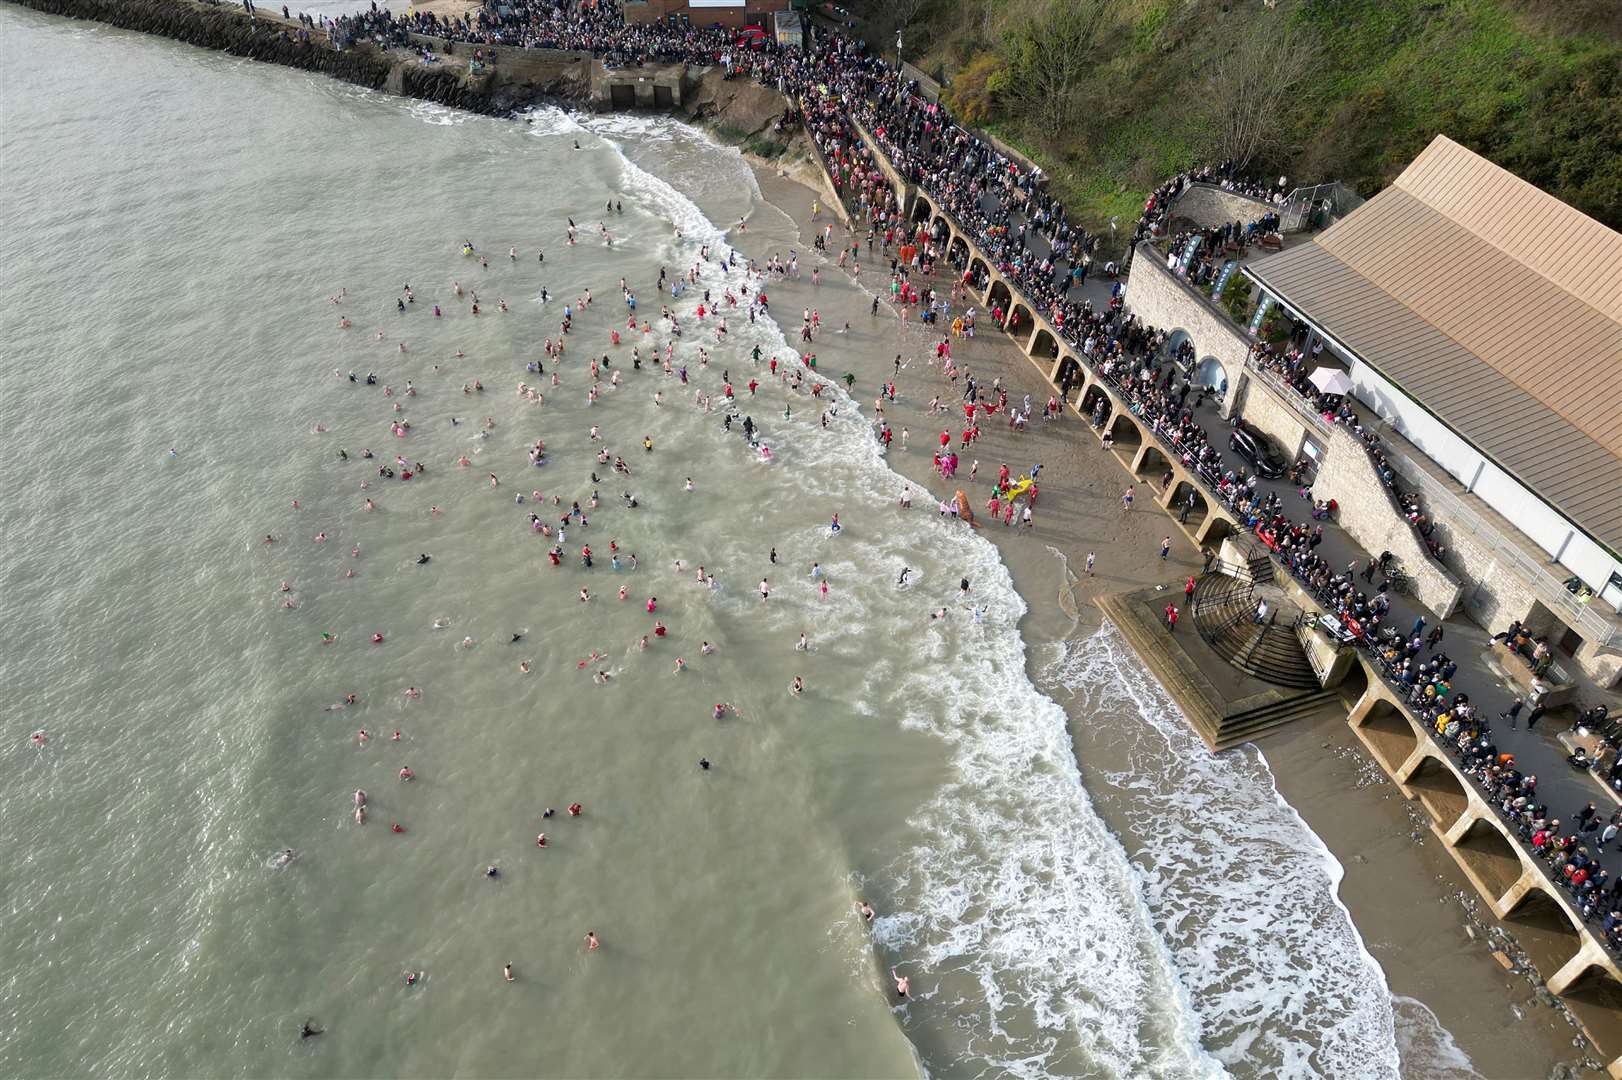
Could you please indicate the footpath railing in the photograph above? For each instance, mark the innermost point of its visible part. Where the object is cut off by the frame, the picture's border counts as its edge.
(1291, 396)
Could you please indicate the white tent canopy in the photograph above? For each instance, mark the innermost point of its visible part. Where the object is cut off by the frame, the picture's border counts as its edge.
(1330, 380)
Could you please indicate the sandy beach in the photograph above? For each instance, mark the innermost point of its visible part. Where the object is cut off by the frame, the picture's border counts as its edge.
(1414, 910)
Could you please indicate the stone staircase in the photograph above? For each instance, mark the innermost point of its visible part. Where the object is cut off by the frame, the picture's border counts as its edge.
(1224, 616)
(1222, 721)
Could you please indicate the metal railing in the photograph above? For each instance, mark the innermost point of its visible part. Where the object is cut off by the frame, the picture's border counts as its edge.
(1334, 198)
(1292, 397)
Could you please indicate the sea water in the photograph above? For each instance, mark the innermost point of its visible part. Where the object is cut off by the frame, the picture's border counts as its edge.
(176, 224)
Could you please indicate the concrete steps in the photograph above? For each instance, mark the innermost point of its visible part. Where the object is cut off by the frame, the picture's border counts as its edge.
(1271, 653)
(1245, 726)
(1222, 723)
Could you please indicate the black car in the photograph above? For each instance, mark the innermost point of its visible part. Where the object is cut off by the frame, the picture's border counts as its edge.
(1262, 453)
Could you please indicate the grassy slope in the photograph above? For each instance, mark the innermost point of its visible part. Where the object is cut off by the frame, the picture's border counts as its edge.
(1536, 85)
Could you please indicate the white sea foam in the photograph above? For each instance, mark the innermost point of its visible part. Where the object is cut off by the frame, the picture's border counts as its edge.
(1243, 890)
(430, 112)
(1427, 1048)
(1014, 888)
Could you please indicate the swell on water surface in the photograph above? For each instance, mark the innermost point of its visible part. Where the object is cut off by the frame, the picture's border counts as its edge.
(1244, 892)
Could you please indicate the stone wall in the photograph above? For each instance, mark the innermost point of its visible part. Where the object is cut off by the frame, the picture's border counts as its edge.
(1347, 476)
(1209, 206)
(1262, 407)
(1163, 300)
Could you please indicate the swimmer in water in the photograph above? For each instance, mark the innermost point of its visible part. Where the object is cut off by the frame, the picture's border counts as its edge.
(441, 623)
(308, 1030)
(866, 909)
(803, 645)
(591, 941)
(38, 738)
(797, 686)
(902, 983)
(507, 972)
(540, 840)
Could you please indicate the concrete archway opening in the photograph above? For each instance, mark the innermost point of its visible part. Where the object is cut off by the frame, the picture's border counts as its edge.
(957, 252)
(1152, 467)
(1188, 497)
(1179, 348)
(1069, 377)
(1216, 529)
(1487, 854)
(1390, 736)
(998, 296)
(1125, 435)
(1044, 346)
(1439, 792)
(1211, 372)
(1595, 998)
(921, 209)
(1544, 930)
(1019, 321)
(1097, 407)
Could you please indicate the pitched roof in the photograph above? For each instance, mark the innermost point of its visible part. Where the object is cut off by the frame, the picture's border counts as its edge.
(1495, 305)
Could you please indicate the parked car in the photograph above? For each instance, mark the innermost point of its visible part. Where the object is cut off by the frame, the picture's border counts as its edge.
(1262, 453)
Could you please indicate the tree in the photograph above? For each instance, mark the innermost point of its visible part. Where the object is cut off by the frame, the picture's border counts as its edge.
(972, 97)
(1049, 45)
(1249, 87)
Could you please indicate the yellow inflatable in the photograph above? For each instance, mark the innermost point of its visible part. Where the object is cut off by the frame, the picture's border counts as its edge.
(1018, 489)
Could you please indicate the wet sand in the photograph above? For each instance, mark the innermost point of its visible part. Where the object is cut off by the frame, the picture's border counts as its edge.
(1406, 896)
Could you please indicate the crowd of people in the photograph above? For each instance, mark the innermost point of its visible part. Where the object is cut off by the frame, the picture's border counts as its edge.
(1006, 209)
(1294, 366)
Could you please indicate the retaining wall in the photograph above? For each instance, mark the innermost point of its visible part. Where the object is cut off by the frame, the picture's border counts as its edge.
(1347, 476)
(1162, 299)
(1208, 206)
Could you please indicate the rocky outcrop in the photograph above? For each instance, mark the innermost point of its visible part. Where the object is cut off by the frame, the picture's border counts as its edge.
(741, 107)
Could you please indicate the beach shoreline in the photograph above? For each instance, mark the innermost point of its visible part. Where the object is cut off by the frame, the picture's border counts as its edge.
(1427, 934)
(1416, 930)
